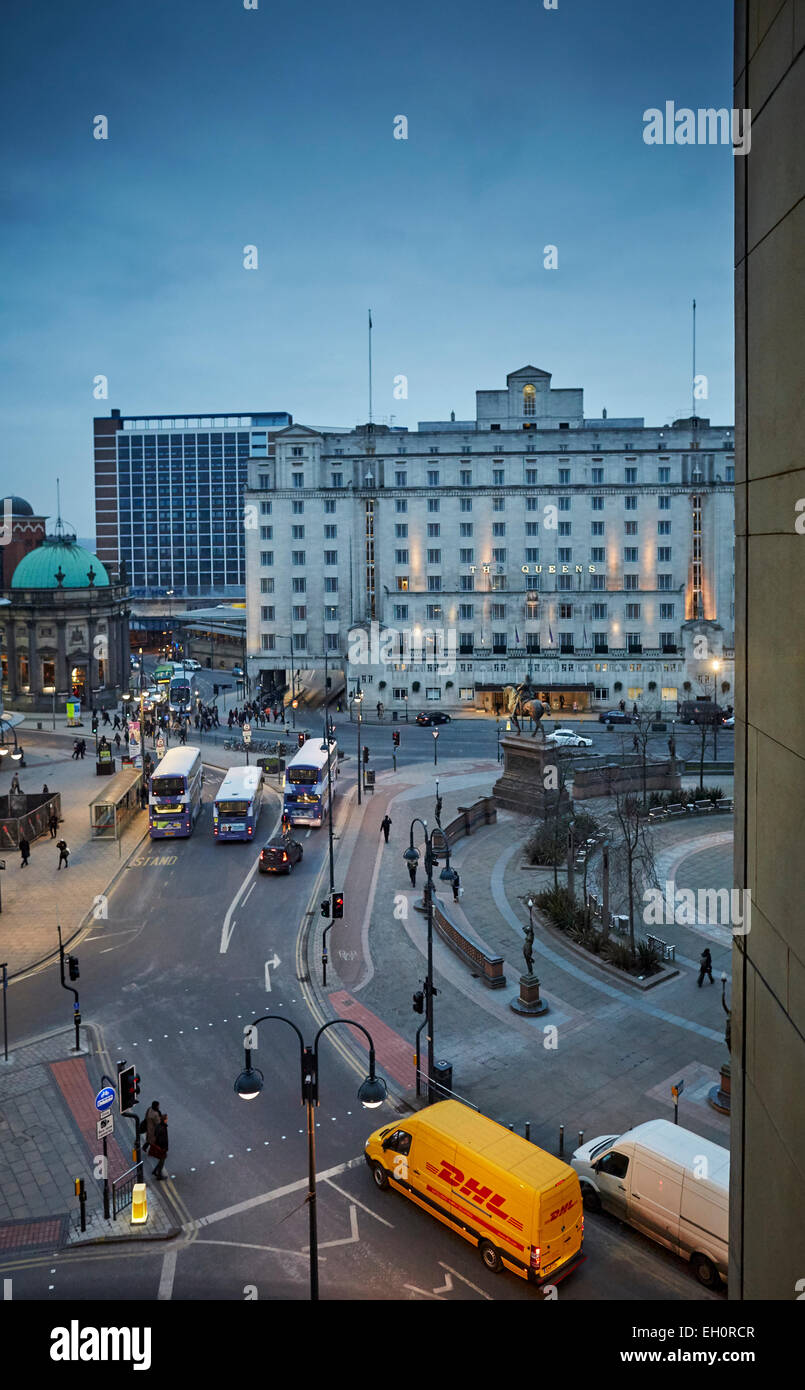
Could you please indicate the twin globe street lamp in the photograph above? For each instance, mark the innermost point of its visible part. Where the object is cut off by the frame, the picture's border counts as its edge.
(371, 1093)
(411, 856)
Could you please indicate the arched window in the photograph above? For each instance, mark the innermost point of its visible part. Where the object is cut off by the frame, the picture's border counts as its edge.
(529, 400)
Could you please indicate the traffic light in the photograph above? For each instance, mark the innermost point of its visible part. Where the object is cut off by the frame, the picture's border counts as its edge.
(129, 1088)
(325, 908)
(300, 739)
(365, 753)
(395, 737)
(72, 965)
(419, 1002)
(338, 905)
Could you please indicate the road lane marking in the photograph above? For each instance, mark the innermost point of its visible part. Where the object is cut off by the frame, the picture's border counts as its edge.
(351, 1239)
(251, 890)
(167, 1276)
(455, 1272)
(229, 925)
(263, 1197)
(354, 1200)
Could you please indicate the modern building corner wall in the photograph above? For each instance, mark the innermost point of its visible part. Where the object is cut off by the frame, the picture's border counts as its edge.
(767, 1196)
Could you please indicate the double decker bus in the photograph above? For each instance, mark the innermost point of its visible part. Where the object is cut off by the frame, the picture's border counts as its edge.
(162, 677)
(174, 798)
(182, 691)
(305, 787)
(236, 808)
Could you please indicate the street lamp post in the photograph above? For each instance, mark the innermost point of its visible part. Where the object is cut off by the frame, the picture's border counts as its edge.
(435, 747)
(371, 1094)
(411, 856)
(325, 748)
(716, 668)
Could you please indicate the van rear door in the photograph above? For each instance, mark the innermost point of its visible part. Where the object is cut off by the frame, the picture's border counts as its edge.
(559, 1229)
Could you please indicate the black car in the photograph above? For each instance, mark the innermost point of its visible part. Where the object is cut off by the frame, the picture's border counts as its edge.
(278, 856)
(427, 717)
(616, 716)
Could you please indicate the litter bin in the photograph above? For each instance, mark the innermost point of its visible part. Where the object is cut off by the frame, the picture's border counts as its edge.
(443, 1078)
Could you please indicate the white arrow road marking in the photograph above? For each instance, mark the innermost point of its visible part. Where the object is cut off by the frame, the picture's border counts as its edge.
(251, 1202)
(423, 1292)
(354, 1200)
(229, 925)
(351, 1239)
(445, 1287)
(450, 1270)
(244, 1245)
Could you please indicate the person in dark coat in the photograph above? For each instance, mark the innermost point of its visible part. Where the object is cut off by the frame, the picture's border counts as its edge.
(64, 853)
(456, 885)
(158, 1148)
(385, 826)
(153, 1115)
(25, 852)
(53, 825)
(705, 966)
(412, 873)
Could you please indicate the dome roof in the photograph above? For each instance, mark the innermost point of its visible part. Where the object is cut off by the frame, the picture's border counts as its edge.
(19, 507)
(38, 569)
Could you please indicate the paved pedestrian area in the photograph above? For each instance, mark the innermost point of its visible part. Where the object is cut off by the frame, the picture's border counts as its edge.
(605, 1055)
(48, 1139)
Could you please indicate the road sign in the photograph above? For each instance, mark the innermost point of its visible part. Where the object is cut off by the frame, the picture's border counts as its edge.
(247, 734)
(160, 748)
(677, 1090)
(105, 1125)
(105, 1098)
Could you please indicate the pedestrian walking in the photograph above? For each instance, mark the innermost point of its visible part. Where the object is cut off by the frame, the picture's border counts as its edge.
(634, 709)
(148, 1126)
(158, 1148)
(117, 742)
(456, 885)
(705, 966)
(636, 743)
(105, 717)
(25, 852)
(76, 749)
(82, 748)
(116, 722)
(53, 825)
(45, 791)
(385, 826)
(622, 706)
(64, 853)
(412, 874)
(379, 710)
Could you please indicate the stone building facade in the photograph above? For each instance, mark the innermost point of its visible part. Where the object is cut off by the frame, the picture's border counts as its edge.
(64, 630)
(439, 565)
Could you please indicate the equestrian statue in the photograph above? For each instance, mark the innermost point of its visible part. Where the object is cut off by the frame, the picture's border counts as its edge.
(522, 702)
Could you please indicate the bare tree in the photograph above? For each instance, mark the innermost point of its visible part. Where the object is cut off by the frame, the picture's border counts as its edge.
(635, 851)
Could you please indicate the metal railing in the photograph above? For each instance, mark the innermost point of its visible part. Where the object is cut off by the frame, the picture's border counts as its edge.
(122, 1189)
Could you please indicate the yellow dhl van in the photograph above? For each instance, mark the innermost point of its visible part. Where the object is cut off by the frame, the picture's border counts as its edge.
(521, 1206)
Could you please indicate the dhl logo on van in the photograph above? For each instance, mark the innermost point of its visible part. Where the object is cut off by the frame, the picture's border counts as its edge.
(559, 1212)
(470, 1187)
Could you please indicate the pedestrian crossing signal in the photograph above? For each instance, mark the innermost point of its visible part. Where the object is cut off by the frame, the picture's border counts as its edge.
(419, 1002)
(396, 738)
(72, 965)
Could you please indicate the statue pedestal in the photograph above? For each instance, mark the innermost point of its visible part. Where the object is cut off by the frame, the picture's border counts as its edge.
(528, 1001)
(526, 764)
(720, 1096)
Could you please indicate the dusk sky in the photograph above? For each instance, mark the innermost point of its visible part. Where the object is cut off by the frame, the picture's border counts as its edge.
(274, 127)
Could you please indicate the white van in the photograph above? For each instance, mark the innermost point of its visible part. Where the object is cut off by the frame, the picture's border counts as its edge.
(667, 1182)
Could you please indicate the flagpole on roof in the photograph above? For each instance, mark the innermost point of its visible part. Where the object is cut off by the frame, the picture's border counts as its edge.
(370, 366)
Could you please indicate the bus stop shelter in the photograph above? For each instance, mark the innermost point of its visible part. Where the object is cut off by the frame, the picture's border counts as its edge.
(116, 804)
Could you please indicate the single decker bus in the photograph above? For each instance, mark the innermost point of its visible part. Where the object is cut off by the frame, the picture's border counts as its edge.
(236, 808)
(174, 800)
(305, 788)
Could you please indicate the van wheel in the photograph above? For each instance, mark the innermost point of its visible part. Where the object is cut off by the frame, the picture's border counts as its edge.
(590, 1198)
(490, 1257)
(705, 1271)
(380, 1176)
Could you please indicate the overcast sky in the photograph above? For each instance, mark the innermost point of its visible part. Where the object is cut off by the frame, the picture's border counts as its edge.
(274, 127)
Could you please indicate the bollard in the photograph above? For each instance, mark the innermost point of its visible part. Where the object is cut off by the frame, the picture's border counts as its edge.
(581, 1137)
(561, 1140)
(528, 1130)
(139, 1204)
(80, 1193)
(511, 1127)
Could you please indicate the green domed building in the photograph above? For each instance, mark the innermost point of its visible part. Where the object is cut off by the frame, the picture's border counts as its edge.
(64, 626)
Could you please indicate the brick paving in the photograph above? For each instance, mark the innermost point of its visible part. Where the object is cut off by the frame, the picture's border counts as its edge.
(393, 1053)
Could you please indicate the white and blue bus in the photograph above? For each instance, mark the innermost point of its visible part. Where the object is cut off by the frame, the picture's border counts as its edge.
(236, 808)
(305, 787)
(174, 799)
(182, 691)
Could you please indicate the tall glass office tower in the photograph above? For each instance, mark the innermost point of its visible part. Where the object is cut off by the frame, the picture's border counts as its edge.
(169, 497)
